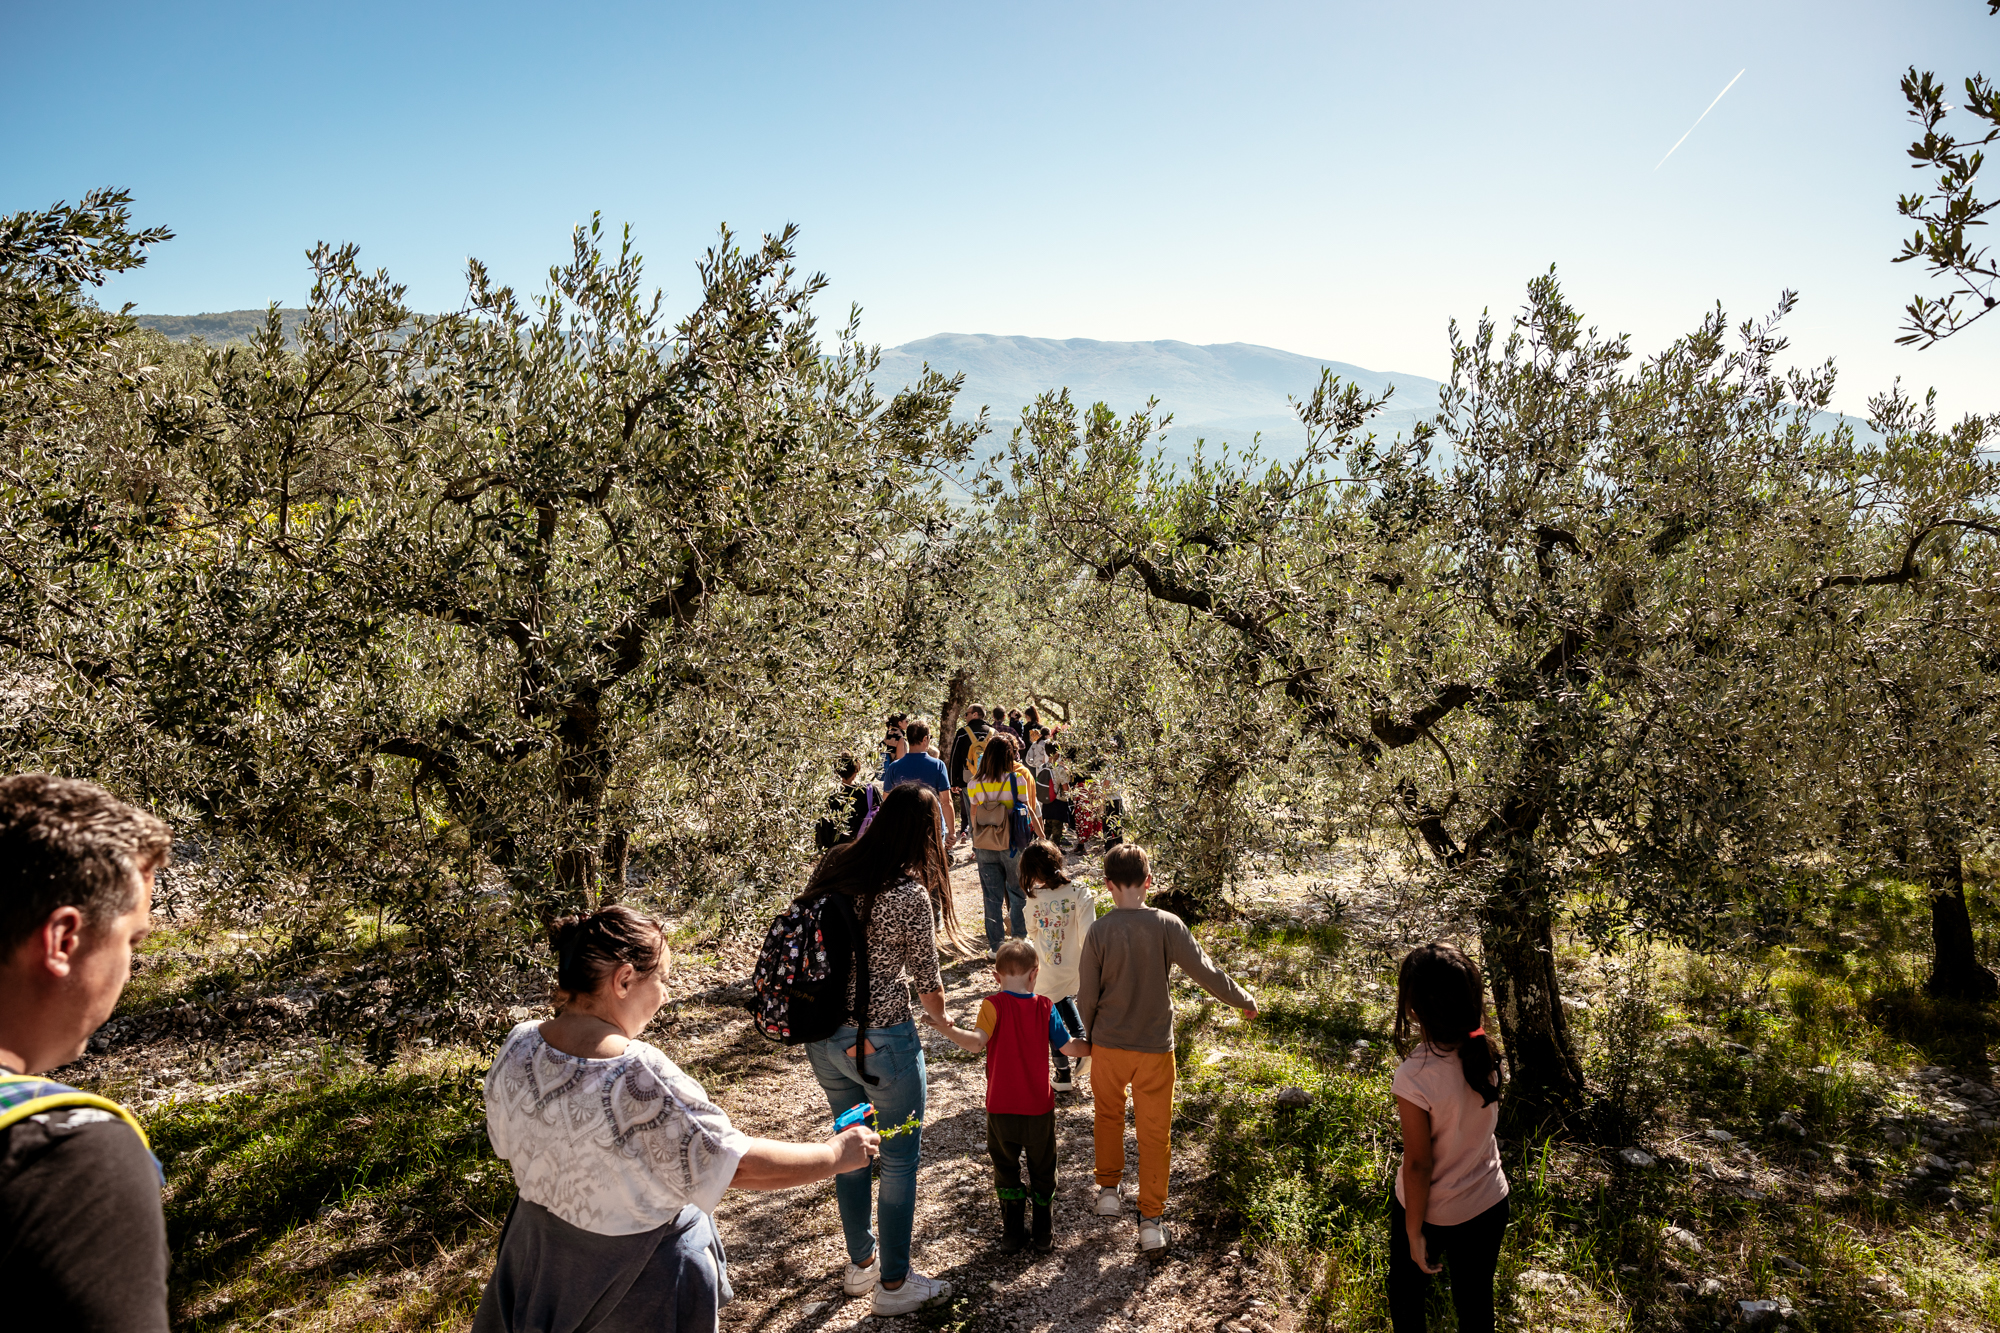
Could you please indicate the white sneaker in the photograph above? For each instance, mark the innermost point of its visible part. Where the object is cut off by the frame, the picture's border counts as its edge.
(1152, 1234)
(917, 1291)
(861, 1281)
(1109, 1202)
(1062, 1083)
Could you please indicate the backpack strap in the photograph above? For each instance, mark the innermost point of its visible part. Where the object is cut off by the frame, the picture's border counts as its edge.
(24, 1095)
(1013, 790)
(857, 934)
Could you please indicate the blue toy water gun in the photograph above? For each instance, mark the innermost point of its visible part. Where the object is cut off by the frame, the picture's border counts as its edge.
(854, 1116)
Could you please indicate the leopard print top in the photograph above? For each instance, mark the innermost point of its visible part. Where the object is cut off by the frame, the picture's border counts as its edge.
(902, 951)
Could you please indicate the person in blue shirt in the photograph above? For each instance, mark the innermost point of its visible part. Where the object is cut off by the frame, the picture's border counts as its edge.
(920, 765)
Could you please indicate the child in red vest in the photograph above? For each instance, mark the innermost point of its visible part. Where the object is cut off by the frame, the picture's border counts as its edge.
(1017, 1028)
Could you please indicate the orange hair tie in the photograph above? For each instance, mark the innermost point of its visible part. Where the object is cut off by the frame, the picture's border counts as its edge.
(1476, 1032)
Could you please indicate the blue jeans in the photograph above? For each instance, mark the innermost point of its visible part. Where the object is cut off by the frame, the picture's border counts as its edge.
(1074, 1022)
(898, 1062)
(1000, 882)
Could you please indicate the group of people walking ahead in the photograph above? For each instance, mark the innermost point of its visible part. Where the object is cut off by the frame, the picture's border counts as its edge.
(620, 1158)
(576, 1103)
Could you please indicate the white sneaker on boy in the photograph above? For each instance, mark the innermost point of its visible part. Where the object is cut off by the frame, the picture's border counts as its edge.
(1109, 1202)
(1152, 1234)
(917, 1291)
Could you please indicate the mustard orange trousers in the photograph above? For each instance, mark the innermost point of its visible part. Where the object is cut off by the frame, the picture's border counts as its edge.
(1150, 1076)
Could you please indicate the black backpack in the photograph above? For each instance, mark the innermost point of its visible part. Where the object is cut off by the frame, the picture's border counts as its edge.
(812, 948)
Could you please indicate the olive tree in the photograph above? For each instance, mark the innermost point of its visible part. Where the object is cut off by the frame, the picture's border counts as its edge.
(1511, 630)
(1913, 686)
(410, 612)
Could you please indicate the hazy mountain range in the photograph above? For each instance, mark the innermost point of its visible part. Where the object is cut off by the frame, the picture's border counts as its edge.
(1219, 392)
(217, 327)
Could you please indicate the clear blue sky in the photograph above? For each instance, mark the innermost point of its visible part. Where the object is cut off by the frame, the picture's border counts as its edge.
(1333, 179)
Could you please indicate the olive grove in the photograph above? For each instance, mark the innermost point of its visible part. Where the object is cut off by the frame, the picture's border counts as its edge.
(441, 620)
(428, 628)
(1586, 636)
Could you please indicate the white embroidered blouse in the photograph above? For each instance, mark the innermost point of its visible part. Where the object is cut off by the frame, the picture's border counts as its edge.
(614, 1146)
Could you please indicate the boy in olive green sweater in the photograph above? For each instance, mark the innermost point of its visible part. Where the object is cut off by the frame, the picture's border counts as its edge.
(1129, 1014)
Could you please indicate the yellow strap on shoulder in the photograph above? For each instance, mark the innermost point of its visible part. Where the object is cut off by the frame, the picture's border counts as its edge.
(65, 1100)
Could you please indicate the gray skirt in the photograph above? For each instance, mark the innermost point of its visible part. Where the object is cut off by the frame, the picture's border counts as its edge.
(553, 1277)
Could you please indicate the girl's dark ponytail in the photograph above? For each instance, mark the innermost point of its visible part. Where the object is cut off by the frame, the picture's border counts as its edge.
(1440, 988)
(1482, 1068)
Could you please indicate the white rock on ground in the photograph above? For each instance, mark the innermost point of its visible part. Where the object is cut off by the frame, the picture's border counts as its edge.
(1680, 1238)
(1561, 1284)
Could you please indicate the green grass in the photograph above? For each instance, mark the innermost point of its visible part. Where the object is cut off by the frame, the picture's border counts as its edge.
(179, 962)
(1309, 1187)
(353, 1198)
(347, 1196)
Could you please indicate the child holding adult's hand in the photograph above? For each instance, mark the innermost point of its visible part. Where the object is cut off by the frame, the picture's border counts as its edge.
(1017, 1028)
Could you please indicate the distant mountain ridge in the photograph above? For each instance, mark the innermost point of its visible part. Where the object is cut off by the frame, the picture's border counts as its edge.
(1218, 391)
(219, 326)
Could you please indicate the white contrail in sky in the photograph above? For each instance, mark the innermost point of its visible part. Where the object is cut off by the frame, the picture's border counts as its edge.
(1699, 119)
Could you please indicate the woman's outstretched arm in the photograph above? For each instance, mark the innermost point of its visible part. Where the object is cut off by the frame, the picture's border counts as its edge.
(770, 1164)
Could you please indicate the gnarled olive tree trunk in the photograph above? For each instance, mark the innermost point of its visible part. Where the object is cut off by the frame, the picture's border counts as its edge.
(1516, 933)
(957, 695)
(1956, 972)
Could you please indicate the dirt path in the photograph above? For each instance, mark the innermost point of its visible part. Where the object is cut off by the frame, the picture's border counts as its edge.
(785, 1250)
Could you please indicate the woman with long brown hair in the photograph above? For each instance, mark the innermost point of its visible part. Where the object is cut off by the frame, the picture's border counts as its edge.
(897, 877)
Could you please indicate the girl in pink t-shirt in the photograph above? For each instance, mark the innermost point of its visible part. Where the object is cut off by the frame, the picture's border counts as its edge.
(1451, 1195)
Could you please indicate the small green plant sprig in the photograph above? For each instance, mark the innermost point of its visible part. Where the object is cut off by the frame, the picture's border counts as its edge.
(908, 1126)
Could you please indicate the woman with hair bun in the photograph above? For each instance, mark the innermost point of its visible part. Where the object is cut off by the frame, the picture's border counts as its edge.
(1451, 1195)
(618, 1156)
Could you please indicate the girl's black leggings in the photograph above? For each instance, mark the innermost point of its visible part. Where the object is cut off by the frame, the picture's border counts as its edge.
(1470, 1251)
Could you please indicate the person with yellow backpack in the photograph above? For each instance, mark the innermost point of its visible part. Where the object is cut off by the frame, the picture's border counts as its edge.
(1005, 818)
(83, 1241)
(968, 747)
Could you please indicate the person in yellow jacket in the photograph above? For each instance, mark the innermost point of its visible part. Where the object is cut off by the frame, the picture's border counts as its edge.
(1000, 786)
(83, 1243)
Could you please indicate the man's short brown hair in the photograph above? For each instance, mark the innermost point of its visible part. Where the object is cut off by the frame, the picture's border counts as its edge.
(918, 731)
(69, 843)
(1127, 865)
(1016, 958)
